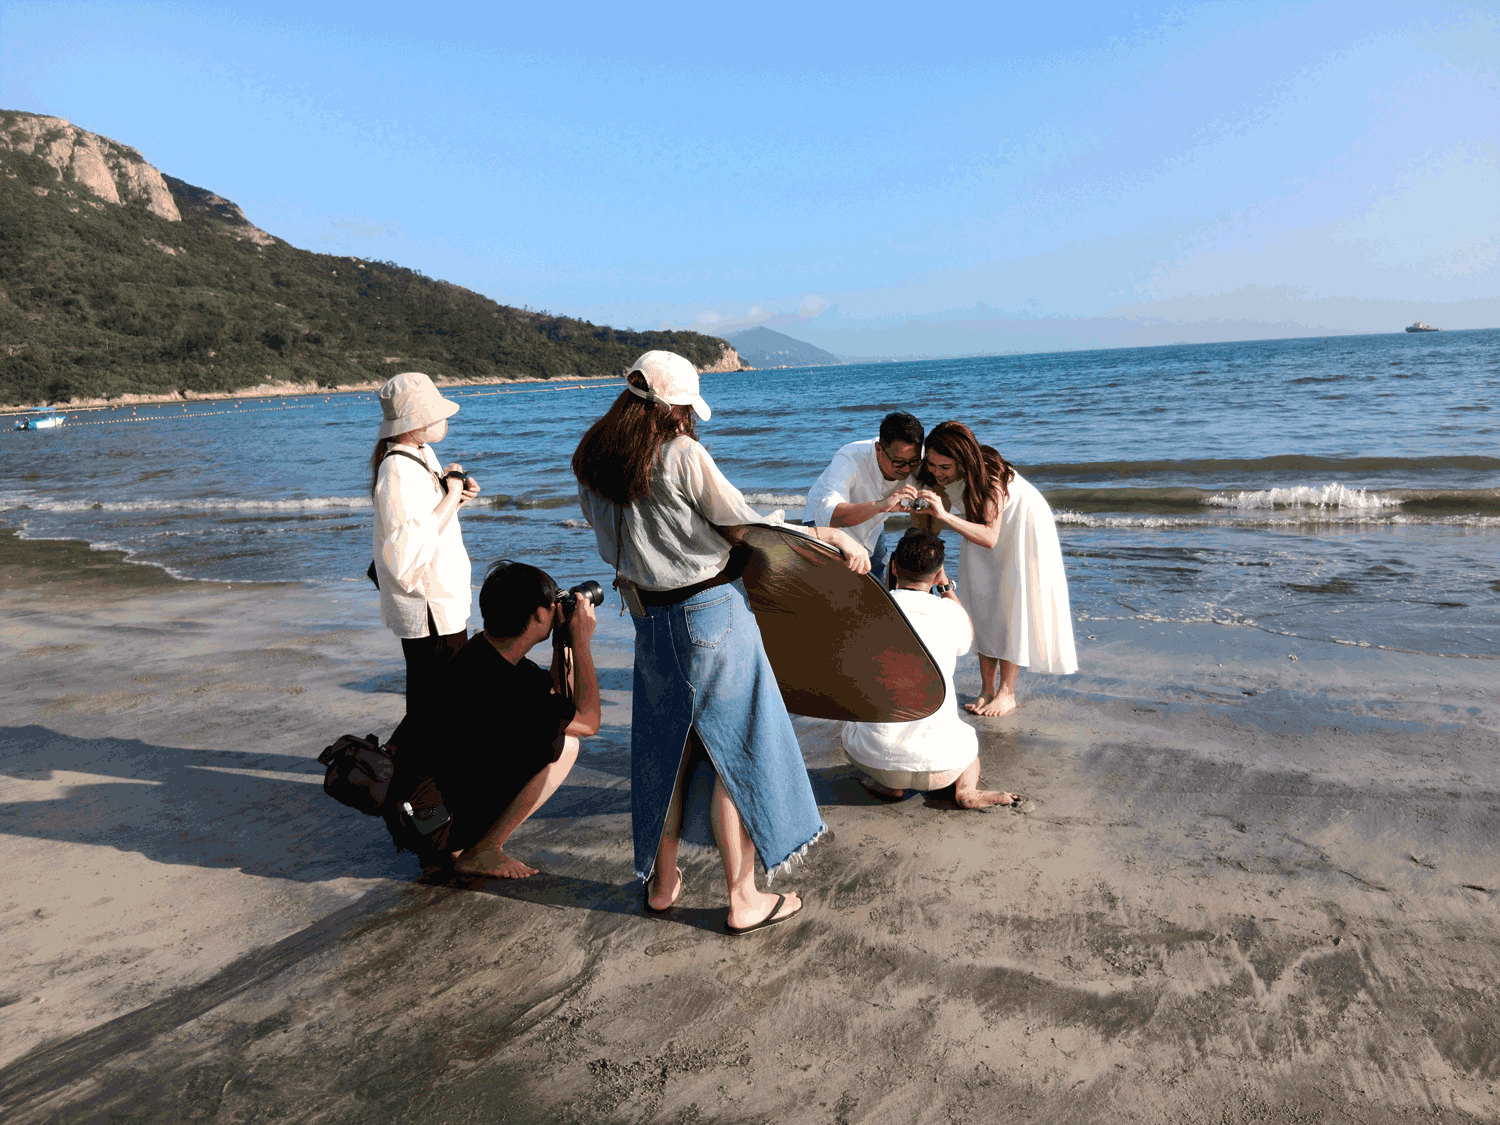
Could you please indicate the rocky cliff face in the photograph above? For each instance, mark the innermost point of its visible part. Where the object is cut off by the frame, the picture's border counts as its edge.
(729, 360)
(191, 198)
(114, 172)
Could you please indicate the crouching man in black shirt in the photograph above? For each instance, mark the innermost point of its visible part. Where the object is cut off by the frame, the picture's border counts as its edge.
(505, 734)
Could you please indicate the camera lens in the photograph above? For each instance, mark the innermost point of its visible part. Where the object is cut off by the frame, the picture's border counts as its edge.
(590, 590)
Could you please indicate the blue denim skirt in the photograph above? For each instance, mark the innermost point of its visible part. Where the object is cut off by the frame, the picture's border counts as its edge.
(700, 665)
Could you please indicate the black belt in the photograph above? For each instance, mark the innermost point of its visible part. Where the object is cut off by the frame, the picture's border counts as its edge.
(739, 555)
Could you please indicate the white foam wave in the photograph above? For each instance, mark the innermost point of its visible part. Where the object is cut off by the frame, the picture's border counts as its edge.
(1312, 518)
(774, 500)
(574, 523)
(206, 504)
(1332, 495)
(1081, 519)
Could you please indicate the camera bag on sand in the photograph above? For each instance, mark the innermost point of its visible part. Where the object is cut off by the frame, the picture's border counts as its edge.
(359, 772)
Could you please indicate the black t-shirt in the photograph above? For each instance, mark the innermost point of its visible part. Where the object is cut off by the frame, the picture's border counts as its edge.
(496, 726)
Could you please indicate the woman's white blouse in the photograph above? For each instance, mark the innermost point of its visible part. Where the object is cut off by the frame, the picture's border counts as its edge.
(669, 539)
(420, 564)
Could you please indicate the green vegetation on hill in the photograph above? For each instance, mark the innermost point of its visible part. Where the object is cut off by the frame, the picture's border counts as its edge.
(99, 300)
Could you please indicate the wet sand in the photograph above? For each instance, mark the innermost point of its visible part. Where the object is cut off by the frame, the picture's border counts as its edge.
(1251, 889)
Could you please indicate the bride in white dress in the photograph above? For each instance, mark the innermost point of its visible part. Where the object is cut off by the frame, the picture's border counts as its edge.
(1011, 577)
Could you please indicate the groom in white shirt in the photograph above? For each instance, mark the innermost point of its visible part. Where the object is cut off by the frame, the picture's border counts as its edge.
(939, 752)
(866, 482)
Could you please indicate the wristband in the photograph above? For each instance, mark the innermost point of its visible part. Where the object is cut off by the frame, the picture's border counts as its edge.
(945, 588)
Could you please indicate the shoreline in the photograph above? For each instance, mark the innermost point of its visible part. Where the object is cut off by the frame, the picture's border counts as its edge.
(1252, 889)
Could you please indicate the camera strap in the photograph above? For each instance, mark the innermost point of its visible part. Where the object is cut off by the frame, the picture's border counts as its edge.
(436, 478)
(630, 593)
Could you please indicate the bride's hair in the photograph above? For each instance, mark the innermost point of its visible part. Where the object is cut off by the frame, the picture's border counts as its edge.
(983, 470)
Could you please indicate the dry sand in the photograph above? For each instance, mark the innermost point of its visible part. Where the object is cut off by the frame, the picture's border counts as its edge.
(1251, 889)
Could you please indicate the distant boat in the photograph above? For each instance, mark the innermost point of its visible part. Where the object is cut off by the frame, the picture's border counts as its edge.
(1421, 327)
(48, 419)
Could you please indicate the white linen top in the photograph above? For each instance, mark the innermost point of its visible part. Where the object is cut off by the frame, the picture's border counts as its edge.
(669, 539)
(420, 565)
(852, 477)
(942, 741)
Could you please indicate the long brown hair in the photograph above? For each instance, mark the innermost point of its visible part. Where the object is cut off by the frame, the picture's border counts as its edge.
(376, 458)
(617, 455)
(982, 468)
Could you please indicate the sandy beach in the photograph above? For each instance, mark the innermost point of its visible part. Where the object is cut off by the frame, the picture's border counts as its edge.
(1252, 889)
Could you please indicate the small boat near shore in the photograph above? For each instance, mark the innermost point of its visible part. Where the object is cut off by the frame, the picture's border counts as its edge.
(48, 419)
(1421, 326)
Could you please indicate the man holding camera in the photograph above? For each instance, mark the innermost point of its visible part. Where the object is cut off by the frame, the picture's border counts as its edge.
(855, 492)
(939, 752)
(506, 732)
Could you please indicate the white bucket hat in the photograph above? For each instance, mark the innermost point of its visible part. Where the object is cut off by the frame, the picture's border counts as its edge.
(411, 402)
(672, 380)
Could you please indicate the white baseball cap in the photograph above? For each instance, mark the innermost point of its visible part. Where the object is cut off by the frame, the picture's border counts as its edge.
(411, 402)
(672, 380)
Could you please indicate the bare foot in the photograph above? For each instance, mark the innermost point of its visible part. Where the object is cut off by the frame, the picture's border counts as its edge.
(495, 864)
(658, 899)
(761, 913)
(1001, 703)
(875, 789)
(982, 799)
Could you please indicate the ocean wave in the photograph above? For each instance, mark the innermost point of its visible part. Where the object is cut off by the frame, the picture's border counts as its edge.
(1332, 495)
(1282, 463)
(207, 504)
(575, 524)
(1067, 518)
(774, 500)
(1309, 518)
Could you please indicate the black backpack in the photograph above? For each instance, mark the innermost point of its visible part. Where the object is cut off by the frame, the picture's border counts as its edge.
(359, 773)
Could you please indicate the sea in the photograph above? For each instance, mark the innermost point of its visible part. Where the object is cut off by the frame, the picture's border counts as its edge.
(1342, 490)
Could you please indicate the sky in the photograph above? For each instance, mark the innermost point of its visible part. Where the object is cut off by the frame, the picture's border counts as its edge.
(878, 180)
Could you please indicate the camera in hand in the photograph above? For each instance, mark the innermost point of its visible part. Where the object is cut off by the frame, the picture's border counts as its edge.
(456, 474)
(590, 590)
(916, 504)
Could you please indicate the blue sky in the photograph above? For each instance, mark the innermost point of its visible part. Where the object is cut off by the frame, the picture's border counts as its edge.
(877, 180)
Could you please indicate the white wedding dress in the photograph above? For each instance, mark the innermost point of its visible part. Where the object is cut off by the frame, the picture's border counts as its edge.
(1016, 592)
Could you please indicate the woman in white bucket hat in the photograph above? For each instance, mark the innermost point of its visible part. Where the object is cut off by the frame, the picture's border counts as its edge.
(420, 561)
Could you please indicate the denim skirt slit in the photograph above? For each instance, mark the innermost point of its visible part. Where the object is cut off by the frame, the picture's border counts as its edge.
(700, 665)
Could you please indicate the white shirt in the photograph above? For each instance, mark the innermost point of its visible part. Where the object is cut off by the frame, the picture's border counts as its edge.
(669, 539)
(852, 477)
(420, 565)
(942, 741)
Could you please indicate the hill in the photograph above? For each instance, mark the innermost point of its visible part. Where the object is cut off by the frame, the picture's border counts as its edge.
(116, 279)
(761, 347)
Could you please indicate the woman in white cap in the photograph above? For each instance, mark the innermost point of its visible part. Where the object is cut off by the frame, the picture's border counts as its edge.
(714, 758)
(420, 561)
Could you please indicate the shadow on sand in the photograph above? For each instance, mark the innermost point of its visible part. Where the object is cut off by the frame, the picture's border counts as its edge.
(263, 813)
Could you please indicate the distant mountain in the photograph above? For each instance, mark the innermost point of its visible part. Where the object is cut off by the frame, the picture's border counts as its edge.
(115, 279)
(760, 347)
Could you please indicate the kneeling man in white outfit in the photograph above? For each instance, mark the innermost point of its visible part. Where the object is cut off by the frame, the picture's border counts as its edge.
(940, 751)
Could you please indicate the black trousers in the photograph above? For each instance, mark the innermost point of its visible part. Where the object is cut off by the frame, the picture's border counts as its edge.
(425, 659)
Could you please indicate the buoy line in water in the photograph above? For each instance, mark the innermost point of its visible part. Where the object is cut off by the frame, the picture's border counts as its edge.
(534, 390)
(187, 413)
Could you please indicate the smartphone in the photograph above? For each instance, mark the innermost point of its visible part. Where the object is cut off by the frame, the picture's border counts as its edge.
(434, 818)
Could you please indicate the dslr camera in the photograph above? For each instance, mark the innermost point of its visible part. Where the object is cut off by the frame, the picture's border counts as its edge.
(590, 590)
